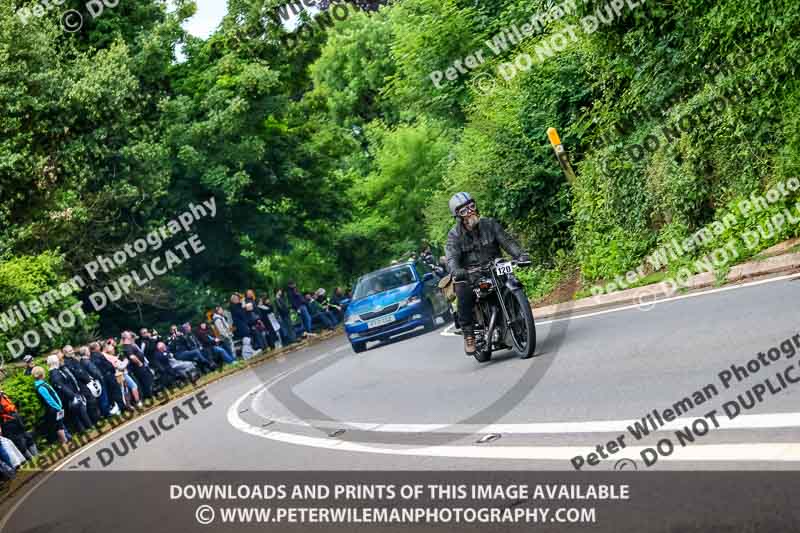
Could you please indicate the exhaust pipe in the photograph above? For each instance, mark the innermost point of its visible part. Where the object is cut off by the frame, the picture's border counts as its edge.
(490, 329)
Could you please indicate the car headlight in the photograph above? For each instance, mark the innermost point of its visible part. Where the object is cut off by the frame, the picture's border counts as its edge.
(352, 320)
(409, 301)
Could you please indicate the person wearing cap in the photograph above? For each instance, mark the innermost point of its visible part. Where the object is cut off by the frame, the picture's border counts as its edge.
(28, 360)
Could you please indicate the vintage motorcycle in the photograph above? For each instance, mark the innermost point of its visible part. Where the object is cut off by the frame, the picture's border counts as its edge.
(503, 316)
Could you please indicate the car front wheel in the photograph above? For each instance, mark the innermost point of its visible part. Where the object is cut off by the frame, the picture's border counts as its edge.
(359, 347)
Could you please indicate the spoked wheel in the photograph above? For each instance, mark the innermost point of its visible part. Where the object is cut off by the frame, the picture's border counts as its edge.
(523, 329)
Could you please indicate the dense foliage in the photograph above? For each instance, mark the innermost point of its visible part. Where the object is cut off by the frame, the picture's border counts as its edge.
(333, 152)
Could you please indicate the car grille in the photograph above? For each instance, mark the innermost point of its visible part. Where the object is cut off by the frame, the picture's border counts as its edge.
(375, 314)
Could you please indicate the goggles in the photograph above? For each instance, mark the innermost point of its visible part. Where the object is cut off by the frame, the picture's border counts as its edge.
(466, 209)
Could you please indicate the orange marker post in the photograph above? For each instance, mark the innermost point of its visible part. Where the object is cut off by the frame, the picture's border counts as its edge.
(561, 154)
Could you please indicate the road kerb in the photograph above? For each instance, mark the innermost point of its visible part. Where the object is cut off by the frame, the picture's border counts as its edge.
(781, 264)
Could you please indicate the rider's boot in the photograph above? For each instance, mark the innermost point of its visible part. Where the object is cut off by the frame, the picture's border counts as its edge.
(469, 343)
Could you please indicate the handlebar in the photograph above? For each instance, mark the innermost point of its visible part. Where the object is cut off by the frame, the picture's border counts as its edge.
(491, 264)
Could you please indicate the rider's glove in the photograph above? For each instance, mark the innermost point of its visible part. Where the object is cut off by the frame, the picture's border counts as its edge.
(459, 274)
(524, 258)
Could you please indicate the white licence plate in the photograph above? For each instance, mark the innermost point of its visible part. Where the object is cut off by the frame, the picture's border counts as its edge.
(382, 321)
(504, 268)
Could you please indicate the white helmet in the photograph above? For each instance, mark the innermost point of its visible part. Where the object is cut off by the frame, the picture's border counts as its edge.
(458, 200)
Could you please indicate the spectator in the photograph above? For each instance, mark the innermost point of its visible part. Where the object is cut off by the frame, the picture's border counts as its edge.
(147, 343)
(319, 313)
(257, 327)
(13, 427)
(28, 360)
(212, 345)
(54, 409)
(167, 376)
(178, 370)
(283, 308)
(337, 299)
(270, 321)
(85, 386)
(241, 326)
(7, 471)
(88, 366)
(121, 376)
(300, 305)
(321, 297)
(188, 348)
(66, 386)
(139, 365)
(223, 329)
(427, 256)
(112, 389)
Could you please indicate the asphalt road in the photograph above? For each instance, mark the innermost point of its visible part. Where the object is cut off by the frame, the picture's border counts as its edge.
(420, 403)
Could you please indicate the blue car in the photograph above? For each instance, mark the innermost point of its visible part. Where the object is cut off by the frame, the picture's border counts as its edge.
(392, 301)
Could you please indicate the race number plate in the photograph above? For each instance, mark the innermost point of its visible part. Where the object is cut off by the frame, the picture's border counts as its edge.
(504, 268)
(382, 321)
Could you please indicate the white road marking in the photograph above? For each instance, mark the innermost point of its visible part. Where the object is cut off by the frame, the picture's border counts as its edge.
(448, 333)
(779, 452)
(747, 452)
(756, 421)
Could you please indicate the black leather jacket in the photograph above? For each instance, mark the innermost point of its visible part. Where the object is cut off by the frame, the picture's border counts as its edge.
(471, 248)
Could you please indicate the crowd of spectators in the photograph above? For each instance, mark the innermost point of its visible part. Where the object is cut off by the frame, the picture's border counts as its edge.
(78, 388)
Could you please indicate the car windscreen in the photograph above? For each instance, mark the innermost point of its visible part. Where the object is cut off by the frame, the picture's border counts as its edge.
(383, 281)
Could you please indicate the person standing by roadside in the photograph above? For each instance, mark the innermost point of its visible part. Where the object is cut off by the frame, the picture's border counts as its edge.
(122, 377)
(85, 359)
(28, 360)
(223, 329)
(110, 385)
(73, 364)
(270, 321)
(283, 308)
(65, 384)
(257, 328)
(54, 409)
(139, 365)
(241, 326)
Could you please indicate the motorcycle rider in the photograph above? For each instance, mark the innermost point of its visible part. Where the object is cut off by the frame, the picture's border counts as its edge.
(471, 242)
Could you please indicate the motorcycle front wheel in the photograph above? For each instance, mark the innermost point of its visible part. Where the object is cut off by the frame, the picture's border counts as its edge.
(523, 328)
